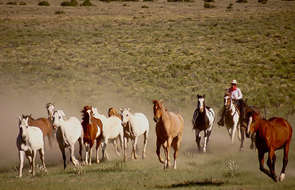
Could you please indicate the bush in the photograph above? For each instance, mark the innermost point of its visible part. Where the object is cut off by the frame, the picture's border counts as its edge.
(208, 5)
(43, 3)
(209, 1)
(230, 6)
(147, 0)
(59, 12)
(144, 6)
(86, 3)
(72, 3)
(180, 0)
(242, 1)
(11, 3)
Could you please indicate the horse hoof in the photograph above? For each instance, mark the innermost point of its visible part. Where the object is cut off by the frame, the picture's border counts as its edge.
(282, 177)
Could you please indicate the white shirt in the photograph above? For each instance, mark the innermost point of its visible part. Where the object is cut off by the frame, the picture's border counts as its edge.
(236, 94)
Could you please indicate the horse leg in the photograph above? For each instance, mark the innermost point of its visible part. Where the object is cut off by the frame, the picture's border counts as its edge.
(90, 153)
(73, 159)
(33, 162)
(205, 140)
(261, 163)
(87, 147)
(242, 129)
(167, 161)
(80, 148)
(285, 161)
(233, 133)
(270, 163)
(134, 147)
(103, 150)
(176, 146)
(198, 138)
(98, 142)
(124, 147)
(21, 163)
(62, 149)
(158, 151)
(42, 157)
(144, 144)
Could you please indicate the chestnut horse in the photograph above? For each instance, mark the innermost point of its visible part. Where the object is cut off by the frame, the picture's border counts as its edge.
(92, 128)
(271, 135)
(44, 124)
(169, 130)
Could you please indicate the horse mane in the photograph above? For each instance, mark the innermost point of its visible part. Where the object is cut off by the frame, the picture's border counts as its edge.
(49, 104)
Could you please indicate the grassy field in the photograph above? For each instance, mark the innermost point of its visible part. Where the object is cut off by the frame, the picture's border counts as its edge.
(128, 53)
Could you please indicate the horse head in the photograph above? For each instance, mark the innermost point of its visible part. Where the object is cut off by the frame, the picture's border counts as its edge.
(227, 101)
(23, 126)
(125, 115)
(251, 117)
(158, 110)
(57, 118)
(50, 110)
(201, 103)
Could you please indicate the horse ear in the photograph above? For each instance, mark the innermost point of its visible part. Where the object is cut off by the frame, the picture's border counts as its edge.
(128, 109)
(204, 95)
(154, 101)
(20, 118)
(121, 109)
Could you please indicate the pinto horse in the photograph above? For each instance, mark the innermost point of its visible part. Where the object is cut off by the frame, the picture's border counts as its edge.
(44, 124)
(203, 120)
(232, 120)
(271, 135)
(92, 128)
(169, 130)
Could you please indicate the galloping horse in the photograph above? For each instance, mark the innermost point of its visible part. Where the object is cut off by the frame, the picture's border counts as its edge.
(92, 128)
(139, 125)
(29, 141)
(203, 120)
(67, 134)
(44, 124)
(271, 135)
(112, 130)
(169, 130)
(127, 128)
(232, 119)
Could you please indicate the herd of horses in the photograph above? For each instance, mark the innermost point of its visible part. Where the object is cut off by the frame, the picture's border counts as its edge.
(123, 126)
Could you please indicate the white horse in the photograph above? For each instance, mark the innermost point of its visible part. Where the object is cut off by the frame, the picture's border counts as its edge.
(232, 117)
(112, 129)
(29, 141)
(139, 125)
(67, 134)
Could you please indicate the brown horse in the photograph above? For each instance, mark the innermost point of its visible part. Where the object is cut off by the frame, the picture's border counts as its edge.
(92, 128)
(271, 135)
(169, 130)
(44, 124)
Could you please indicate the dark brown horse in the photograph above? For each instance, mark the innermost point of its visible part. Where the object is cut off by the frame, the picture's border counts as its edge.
(93, 130)
(169, 130)
(44, 124)
(271, 135)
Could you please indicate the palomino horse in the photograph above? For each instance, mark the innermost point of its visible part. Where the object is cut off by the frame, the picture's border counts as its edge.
(29, 141)
(232, 119)
(139, 125)
(203, 120)
(169, 130)
(67, 134)
(44, 124)
(112, 130)
(92, 128)
(271, 135)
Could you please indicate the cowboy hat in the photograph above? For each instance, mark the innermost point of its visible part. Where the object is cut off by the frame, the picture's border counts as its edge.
(234, 82)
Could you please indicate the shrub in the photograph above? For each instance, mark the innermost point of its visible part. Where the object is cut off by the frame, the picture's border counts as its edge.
(59, 12)
(43, 3)
(180, 0)
(22, 3)
(72, 3)
(208, 5)
(242, 1)
(144, 6)
(209, 1)
(230, 6)
(147, 0)
(11, 3)
(86, 3)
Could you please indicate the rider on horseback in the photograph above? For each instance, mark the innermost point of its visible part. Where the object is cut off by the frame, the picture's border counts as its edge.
(237, 97)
